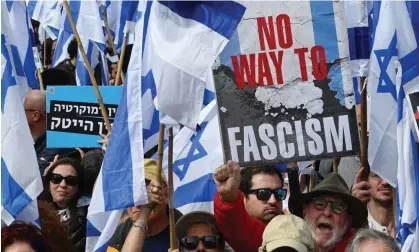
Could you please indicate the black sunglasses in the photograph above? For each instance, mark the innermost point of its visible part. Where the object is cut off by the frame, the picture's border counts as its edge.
(265, 193)
(69, 180)
(209, 242)
(338, 207)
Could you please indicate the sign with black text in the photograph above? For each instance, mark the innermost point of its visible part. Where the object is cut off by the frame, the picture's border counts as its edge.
(74, 118)
(284, 85)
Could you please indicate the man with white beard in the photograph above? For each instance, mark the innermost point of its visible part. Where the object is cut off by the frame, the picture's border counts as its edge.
(332, 213)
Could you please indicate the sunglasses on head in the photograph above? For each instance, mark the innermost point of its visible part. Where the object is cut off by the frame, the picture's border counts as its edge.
(338, 207)
(265, 193)
(69, 180)
(209, 242)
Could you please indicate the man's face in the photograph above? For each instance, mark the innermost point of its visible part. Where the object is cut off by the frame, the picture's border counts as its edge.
(202, 230)
(380, 190)
(264, 210)
(327, 227)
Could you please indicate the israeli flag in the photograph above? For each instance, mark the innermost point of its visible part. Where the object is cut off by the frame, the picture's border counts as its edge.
(186, 38)
(121, 181)
(48, 14)
(24, 43)
(86, 16)
(356, 13)
(20, 177)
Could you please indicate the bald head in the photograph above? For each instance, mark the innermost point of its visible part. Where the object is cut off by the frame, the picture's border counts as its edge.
(36, 100)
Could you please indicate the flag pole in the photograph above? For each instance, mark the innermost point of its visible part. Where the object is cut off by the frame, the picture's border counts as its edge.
(89, 68)
(119, 72)
(311, 184)
(171, 196)
(45, 49)
(335, 164)
(160, 151)
(110, 37)
(364, 137)
(41, 81)
(295, 192)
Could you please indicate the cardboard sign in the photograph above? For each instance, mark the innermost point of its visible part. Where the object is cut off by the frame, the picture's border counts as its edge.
(74, 118)
(284, 85)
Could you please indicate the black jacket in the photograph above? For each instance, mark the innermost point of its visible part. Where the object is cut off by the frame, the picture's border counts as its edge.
(46, 155)
(76, 227)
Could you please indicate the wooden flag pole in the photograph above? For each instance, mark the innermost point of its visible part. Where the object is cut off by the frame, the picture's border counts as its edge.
(311, 184)
(119, 72)
(160, 151)
(89, 68)
(41, 81)
(110, 37)
(171, 196)
(364, 137)
(335, 164)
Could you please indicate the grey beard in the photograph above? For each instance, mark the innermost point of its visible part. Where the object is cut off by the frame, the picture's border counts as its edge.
(336, 238)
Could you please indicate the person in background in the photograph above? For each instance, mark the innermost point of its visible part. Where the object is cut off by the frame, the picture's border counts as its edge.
(137, 233)
(63, 185)
(50, 49)
(287, 233)
(36, 115)
(367, 240)
(245, 202)
(91, 164)
(198, 231)
(331, 213)
(22, 237)
(378, 195)
(69, 64)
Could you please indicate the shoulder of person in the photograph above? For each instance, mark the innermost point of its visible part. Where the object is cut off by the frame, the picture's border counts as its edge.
(120, 234)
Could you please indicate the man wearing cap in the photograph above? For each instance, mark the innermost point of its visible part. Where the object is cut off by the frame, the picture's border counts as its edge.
(156, 227)
(198, 231)
(287, 233)
(331, 212)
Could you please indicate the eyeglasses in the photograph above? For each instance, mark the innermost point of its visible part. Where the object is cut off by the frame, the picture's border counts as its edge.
(338, 207)
(375, 177)
(265, 193)
(69, 180)
(209, 242)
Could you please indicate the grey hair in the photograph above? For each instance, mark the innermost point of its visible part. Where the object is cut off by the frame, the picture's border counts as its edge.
(370, 234)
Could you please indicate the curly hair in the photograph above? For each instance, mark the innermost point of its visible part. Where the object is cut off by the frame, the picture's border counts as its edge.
(28, 233)
(248, 173)
(91, 164)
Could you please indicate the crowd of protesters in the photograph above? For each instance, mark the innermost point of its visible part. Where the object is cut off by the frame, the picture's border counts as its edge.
(341, 213)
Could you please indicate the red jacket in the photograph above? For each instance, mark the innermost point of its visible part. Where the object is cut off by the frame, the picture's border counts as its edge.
(243, 232)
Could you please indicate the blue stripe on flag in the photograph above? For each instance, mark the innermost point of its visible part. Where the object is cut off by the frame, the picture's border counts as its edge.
(412, 8)
(415, 157)
(410, 66)
(117, 166)
(59, 49)
(92, 230)
(356, 90)
(31, 7)
(359, 43)
(14, 199)
(75, 11)
(221, 17)
(202, 189)
(322, 14)
(208, 97)
(7, 79)
(9, 5)
(16, 61)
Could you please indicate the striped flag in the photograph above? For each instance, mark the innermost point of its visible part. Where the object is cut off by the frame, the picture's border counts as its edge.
(186, 38)
(20, 177)
(121, 182)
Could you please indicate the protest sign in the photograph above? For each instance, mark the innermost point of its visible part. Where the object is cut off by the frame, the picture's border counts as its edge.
(74, 118)
(284, 85)
(413, 99)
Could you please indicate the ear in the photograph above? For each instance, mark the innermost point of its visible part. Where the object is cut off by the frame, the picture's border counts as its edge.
(305, 208)
(36, 116)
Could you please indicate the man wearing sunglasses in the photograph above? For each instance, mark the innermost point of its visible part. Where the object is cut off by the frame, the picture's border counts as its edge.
(331, 213)
(245, 202)
(197, 231)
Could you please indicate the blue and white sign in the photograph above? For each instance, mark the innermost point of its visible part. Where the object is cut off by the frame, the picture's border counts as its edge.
(74, 118)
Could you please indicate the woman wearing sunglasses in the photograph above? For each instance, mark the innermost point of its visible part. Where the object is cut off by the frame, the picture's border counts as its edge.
(63, 187)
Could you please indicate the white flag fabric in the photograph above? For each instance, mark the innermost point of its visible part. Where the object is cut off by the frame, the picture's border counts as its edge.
(121, 181)
(20, 177)
(186, 38)
(196, 155)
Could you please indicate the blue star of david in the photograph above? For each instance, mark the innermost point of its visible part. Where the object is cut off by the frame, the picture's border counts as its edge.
(7, 80)
(385, 85)
(148, 84)
(191, 157)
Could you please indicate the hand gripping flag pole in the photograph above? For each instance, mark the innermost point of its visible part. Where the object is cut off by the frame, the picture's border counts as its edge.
(89, 68)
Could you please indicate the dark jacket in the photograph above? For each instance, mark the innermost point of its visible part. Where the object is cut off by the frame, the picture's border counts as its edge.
(46, 155)
(76, 227)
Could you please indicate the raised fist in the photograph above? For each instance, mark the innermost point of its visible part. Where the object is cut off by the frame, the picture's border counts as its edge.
(227, 178)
